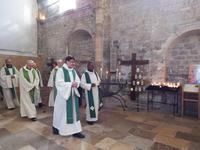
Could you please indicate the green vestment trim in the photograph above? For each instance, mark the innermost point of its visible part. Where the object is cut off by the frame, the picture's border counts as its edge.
(54, 83)
(69, 102)
(13, 88)
(90, 97)
(26, 76)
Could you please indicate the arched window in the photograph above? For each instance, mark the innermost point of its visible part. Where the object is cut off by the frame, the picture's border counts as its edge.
(65, 5)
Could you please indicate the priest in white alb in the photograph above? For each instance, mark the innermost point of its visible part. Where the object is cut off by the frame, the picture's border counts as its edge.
(38, 99)
(51, 82)
(29, 81)
(66, 116)
(90, 82)
(9, 82)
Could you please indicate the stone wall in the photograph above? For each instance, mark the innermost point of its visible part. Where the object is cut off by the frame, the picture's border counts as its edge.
(81, 45)
(149, 27)
(55, 33)
(184, 52)
(153, 29)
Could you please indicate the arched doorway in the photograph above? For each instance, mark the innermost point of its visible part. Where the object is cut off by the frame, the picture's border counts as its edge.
(81, 46)
(182, 52)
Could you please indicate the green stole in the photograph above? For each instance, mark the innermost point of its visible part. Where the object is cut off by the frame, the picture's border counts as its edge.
(11, 89)
(26, 76)
(69, 103)
(54, 81)
(90, 97)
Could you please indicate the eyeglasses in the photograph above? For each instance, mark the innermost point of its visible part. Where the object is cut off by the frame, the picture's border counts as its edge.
(72, 62)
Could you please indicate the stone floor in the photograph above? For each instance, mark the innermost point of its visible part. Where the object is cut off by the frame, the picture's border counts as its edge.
(115, 130)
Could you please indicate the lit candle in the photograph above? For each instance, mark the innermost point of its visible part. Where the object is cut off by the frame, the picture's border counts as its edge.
(101, 72)
(137, 70)
(106, 74)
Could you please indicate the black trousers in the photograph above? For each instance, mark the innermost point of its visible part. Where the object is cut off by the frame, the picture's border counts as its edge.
(80, 90)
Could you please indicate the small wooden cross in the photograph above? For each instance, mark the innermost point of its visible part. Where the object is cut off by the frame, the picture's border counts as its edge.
(133, 62)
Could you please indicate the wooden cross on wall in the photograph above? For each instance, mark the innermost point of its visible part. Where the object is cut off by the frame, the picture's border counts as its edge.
(133, 62)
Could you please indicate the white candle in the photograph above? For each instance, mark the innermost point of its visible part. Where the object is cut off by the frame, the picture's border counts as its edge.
(137, 70)
(136, 76)
(140, 76)
(117, 70)
(101, 72)
(135, 89)
(139, 89)
(119, 75)
(106, 74)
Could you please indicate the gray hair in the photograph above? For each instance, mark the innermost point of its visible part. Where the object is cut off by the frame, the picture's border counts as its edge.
(30, 62)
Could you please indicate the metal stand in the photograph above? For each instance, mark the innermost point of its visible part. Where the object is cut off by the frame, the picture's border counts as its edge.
(105, 92)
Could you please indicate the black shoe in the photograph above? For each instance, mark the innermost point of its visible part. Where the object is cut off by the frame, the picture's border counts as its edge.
(90, 122)
(11, 108)
(34, 119)
(40, 105)
(79, 135)
(55, 131)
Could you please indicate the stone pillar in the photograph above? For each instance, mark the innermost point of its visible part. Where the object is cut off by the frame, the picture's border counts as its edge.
(99, 33)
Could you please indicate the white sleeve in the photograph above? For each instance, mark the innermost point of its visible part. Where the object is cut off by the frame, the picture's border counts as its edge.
(85, 85)
(50, 81)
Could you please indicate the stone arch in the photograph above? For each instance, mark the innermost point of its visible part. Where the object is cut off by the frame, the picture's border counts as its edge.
(80, 44)
(173, 37)
(77, 27)
(181, 50)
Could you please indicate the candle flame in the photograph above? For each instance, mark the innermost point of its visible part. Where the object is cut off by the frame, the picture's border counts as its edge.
(166, 84)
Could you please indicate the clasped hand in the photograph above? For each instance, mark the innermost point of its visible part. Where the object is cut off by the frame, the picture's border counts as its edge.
(93, 84)
(74, 84)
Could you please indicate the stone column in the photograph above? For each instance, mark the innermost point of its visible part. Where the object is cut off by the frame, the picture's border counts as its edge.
(99, 33)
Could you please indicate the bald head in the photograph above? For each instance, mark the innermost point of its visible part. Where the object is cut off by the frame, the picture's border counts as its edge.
(30, 64)
(59, 62)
